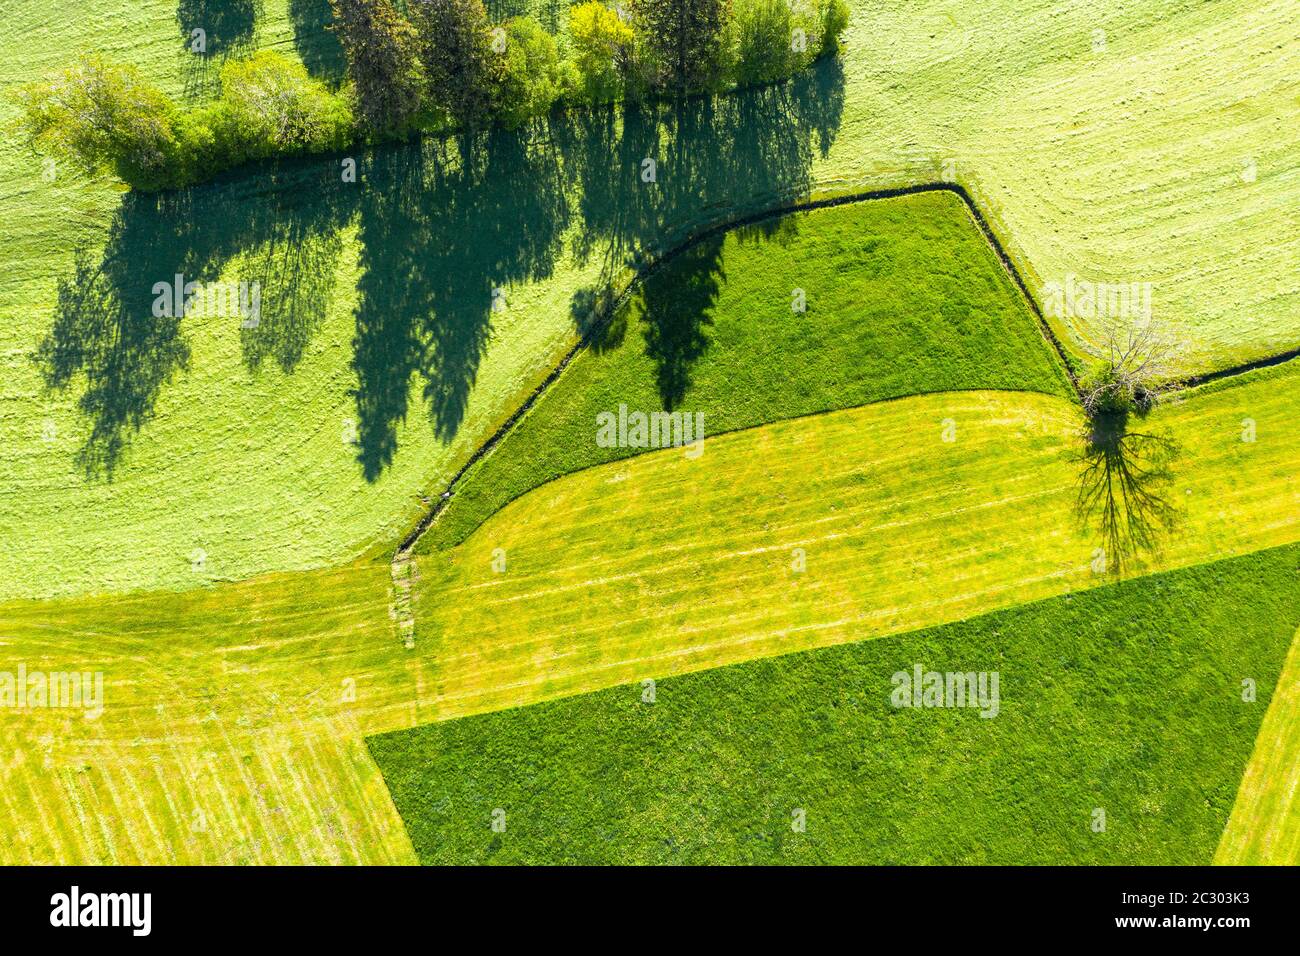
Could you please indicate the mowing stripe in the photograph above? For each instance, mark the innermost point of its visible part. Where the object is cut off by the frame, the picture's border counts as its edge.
(1265, 822)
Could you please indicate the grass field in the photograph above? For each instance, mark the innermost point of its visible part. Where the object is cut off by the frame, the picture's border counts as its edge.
(1122, 164)
(1265, 823)
(214, 507)
(201, 678)
(1126, 698)
(663, 561)
(903, 295)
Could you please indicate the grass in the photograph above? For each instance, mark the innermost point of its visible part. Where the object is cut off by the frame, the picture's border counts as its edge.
(1116, 165)
(663, 564)
(226, 734)
(1265, 822)
(619, 572)
(903, 296)
(1125, 698)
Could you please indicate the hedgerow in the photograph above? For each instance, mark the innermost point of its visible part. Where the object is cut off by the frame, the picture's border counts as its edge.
(108, 118)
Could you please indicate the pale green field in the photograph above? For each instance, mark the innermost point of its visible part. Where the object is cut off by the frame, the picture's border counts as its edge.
(229, 738)
(1118, 164)
(235, 700)
(1265, 822)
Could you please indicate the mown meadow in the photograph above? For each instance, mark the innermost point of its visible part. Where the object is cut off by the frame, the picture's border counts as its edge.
(1127, 699)
(205, 512)
(247, 702)
(1118, 163)
(805, 313)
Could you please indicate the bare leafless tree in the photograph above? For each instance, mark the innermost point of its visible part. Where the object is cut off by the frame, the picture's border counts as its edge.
(1138, 363)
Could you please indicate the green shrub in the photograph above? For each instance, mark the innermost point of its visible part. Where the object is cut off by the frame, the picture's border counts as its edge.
(104, 117)
(603, 46)
(532, 78)
(761, 38)
(834, 20)
(270, 106)
(772, 40)
(455, 68)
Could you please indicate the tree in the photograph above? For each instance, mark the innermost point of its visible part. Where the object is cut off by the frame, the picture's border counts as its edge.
(460, 66)
(603, 48)
(834, 18)
(686, 40)
(382, 50)
(1138, 361)
(104, 116)
(269, 105)
(763, 33)
(531, 78)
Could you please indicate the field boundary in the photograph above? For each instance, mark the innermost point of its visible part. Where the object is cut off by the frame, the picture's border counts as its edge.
(596, 329)
(602, 320)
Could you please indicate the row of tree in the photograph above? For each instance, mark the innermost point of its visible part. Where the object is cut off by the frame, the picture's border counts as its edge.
(430, 65)
(443, 58)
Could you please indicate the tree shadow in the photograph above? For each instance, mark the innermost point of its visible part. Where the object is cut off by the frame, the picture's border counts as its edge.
(676, 308)
(317, 45)
(229, 29)
(445, 228)
(104, 328)
(714, 158)
(1123, 486)
(282, 226)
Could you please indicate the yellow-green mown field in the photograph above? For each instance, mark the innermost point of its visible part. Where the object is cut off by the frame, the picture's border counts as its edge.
(1113, 142)
(653, 566)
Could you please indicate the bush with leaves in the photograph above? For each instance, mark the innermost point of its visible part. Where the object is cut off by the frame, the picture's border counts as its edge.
(103, 116)
(603, 48)
(761, 36)
(771, 40)
(833, 20)
(270, 106)
(446, 65)
(532, 76)
(382, 52)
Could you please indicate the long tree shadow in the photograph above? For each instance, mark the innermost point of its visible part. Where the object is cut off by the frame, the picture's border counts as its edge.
(317, 45)
(106, 326)
(656, 173)
(445, 228)
(676, 308)
(1123, 489)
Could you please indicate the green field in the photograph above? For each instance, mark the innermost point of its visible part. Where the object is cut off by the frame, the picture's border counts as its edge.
(1265, 823)
(903, 297)
(1126, 698)
(233, 699)
(1118, 165)
(207, 514)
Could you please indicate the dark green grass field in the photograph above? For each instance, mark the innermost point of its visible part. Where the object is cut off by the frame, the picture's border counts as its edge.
(1126, 698)
(903, 296)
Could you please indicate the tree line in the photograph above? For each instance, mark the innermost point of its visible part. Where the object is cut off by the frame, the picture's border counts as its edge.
(422, 66)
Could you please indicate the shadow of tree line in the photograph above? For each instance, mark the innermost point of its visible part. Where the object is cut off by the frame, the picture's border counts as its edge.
(229, 28)
(441, 225)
